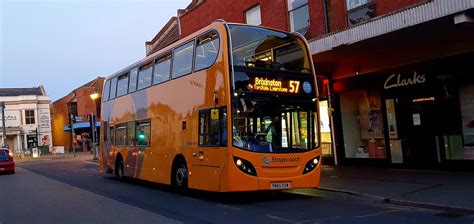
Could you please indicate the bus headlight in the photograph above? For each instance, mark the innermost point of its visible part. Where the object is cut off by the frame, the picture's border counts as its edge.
(311, 165)
(245, 166)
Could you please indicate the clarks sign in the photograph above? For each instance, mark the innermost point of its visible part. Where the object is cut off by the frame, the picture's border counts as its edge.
(396, 80)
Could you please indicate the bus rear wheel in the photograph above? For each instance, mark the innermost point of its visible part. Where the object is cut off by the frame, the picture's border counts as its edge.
(119, 169)
(180, 176)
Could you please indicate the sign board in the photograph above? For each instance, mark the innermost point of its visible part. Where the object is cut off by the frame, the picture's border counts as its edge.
(44, 120)
(57, 149)
(12, 118)
(35, 153)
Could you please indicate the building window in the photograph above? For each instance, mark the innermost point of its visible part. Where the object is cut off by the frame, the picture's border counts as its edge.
(299, 15)
(30, 116)
(253, 16)
(183, 60)
(359, 11)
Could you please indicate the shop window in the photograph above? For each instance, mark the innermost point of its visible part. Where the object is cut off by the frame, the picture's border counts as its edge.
(206, 51)
(132, 86)
(142, 133)
(362, 124)
(213, 127)
(106, 91)
(253, 16)
(131, 140)
(30, 116)
(299, 15)
(162, 69)
(183, 60)
(113, 88)
(122, 85)
(120, 135)
(359, 11)
(144, 76)
(460, 146)
(326, 142)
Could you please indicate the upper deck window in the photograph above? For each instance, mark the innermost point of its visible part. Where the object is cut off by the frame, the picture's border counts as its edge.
(183, 60)
(162, 69)
(256, 47)
(106, 91)
(132, 86)
(144, 76)
(206, 51)
(113, 88)
(122, 85)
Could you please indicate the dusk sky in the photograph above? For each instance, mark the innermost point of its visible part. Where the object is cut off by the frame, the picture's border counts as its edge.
(63, 44)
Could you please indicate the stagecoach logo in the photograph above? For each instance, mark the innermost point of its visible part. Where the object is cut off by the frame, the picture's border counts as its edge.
(393, 82)
(267, 160)
(307, 87)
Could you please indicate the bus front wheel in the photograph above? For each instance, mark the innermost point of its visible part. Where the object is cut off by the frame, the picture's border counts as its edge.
(180, 175)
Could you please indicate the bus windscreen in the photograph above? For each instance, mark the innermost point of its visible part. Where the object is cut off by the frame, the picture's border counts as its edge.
(255, 47)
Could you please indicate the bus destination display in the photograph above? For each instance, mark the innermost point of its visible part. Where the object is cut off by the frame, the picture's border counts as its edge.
(273, 85)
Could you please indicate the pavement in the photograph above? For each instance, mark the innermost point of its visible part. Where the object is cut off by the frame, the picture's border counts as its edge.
(449, 191)
(58, 156)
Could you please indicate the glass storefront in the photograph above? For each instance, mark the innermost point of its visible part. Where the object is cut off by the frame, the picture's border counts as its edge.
(325, 126)
(418, 116)
(460, 144)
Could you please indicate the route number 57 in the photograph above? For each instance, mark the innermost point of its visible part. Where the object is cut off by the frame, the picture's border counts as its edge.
(294, 86)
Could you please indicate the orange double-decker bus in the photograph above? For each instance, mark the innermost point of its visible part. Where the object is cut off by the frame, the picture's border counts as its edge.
(232, 107)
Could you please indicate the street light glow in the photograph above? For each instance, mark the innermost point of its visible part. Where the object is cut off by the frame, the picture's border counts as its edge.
(94, 96)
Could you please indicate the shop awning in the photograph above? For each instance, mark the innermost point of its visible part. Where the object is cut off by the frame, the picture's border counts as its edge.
(80, 125)
(389, 23)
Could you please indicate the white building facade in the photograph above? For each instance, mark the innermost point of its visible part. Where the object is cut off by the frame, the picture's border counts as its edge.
(27, 118)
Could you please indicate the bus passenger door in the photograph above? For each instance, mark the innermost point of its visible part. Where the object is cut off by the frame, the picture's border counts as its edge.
(209, 157)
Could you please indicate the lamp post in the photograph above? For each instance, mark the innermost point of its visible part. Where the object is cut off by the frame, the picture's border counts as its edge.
(94, 96)
(4, 136)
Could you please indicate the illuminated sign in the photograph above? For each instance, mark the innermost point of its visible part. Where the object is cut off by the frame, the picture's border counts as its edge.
(423, 99)
(272, 85)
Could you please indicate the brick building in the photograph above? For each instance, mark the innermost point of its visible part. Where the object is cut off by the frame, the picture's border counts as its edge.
(79, 104)
(384, 66)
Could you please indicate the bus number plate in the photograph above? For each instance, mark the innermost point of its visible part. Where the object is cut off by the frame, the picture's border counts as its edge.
(284, 185)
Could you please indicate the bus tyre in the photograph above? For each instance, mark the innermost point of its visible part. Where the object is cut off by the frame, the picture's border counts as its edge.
(119, 169)
(180, 175)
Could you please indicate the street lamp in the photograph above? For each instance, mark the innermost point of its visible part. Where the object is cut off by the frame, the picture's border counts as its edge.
(94, 96)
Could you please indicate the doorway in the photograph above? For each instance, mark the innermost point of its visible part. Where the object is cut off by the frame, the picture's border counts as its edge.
(413, 126)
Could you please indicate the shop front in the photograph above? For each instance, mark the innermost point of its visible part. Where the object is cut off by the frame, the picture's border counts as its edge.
(417, 116)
